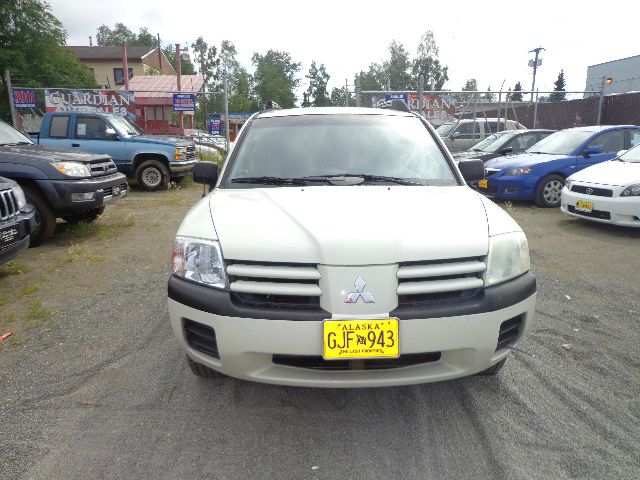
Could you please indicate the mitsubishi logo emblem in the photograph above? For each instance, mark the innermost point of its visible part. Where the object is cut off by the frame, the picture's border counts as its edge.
(352, 297)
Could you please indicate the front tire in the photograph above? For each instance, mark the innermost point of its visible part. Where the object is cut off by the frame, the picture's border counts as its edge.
(45, 218)
(87, 216)
(549, 189)
(152, 175)
(202, 371)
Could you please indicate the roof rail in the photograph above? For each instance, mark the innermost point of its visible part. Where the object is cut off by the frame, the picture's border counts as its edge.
(395, 104)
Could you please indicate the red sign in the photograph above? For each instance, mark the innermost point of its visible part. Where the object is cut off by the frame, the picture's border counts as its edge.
(436, 108)
(120, 102)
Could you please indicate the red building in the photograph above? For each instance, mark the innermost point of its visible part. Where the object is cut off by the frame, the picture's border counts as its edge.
(154, 102)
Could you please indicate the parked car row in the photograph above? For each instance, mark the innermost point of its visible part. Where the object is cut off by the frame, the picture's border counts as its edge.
(79, 166)
(547, 172)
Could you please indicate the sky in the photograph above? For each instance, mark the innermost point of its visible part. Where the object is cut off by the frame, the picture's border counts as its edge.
(489, 41)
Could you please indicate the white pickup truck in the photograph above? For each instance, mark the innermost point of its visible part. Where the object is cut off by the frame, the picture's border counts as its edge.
(341, 247)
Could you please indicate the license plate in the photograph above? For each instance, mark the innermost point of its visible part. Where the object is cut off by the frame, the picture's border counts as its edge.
(8, 235)
(360, 338)
(484, 183)
(584, 206)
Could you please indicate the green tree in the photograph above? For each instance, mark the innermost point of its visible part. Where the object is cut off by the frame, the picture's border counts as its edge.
(275, 77)
(398, 68)
(317, 93)
(489, 96)
(186, 66)
(427, 64)
(205, 59)
(471, 85)
(339, 98)
(516, 96)
(120, 34)
(31, 48)
(559, 93)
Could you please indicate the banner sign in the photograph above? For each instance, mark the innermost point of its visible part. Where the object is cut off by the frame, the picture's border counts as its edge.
(184, 102)
(215, 126)
(24, 98)
(438, 109)
(120, 102)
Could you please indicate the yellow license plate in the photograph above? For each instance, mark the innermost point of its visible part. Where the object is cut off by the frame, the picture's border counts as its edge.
(484, 183)
(360, 338)
(584, 206)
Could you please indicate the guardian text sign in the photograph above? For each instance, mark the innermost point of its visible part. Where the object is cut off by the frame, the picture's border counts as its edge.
(120, 102)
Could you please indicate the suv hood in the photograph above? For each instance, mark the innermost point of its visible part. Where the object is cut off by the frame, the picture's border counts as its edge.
(37, 153)
(160, 140)
(350, 225)
(523, 160)
(612, 173)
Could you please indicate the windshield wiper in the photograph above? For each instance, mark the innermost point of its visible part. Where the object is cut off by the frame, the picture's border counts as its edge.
(13, 144)
(365, 177)
(276, 180)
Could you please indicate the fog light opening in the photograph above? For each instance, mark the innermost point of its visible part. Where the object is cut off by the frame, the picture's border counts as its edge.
(82, 197)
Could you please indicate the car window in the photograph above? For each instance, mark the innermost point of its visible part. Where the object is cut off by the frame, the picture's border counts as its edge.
(523, 142)
(635, 138)
(319, 145)
(632, 155)
(565, 142)
(445, 128)
(9, 135)
(612, 141)
(466, 129)
(91, 128)
(59, 126)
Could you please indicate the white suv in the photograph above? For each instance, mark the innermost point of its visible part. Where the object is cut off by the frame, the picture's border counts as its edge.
(341, 247)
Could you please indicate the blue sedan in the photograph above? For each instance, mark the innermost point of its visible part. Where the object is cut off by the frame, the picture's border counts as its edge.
(539, 173)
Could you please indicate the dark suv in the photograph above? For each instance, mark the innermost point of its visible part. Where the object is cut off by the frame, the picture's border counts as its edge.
(17, 220)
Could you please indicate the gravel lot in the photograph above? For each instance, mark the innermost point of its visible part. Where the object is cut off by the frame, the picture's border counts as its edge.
(102, 391)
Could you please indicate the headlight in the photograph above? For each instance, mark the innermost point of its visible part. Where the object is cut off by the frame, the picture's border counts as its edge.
(508, 257)
(568, 182)
(72, 169)
(181, 153)
(631, 191)
(22, 200)
(518, 171)
(199, 261)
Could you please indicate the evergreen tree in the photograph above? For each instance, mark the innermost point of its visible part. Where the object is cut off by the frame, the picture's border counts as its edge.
(489, 96)
(317, 94)
(516, 96)
(558, 89)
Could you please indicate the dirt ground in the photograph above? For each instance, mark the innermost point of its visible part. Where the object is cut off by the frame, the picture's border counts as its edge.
(82, 261)
(93, 384)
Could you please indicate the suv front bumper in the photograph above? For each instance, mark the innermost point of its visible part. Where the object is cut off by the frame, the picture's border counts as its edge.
(466, 342)
(14, 233)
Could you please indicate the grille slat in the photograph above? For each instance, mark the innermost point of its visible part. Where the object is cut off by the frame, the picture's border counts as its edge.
(8, 204)
(436, 281)
(601, 214)
(99, 169)
(201, 338)
(600, 192)
(509, 332)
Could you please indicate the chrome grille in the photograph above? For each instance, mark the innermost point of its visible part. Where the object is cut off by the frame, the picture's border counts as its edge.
(99, 169)
(191, 152)
(274, 284)
(440, 280)
(8, 204)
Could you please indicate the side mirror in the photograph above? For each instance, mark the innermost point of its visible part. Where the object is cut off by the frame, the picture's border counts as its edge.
(593, 150)
(111, 134)
(205, 173)
(472, 170)
(506, 150)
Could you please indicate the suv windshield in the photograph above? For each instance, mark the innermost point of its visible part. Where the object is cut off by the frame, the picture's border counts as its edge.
(126, 126)
(561, 143)
(492, 143)
(398, 148)
(10, 136)
(632, 156)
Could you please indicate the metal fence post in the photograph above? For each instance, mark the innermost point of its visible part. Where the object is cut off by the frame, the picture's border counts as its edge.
(346, 92)
(420, 94)
(226, 110)
(475, 115)
(600, 101)
(358, 88)
(7, 78)
(535, 110)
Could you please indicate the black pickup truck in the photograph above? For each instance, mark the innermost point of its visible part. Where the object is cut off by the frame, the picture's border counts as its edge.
(59, 183)
(17, 220)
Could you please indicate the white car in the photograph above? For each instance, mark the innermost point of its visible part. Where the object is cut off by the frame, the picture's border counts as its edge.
(608, 192)
(341, 247)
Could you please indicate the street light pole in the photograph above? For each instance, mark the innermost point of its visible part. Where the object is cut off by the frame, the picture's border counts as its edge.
(535, 69)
